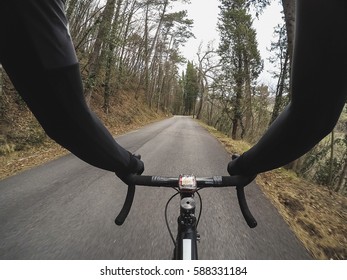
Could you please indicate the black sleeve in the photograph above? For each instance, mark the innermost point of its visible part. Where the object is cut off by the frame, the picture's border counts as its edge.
(37, 53)
(319, 87)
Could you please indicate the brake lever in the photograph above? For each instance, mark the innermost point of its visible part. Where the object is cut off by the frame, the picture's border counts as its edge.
(251, 222)
(127, 205)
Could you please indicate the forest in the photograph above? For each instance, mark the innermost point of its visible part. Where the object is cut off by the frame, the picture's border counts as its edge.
(132, 48)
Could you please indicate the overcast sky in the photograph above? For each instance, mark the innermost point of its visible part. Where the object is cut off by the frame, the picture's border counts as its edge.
(205, 15)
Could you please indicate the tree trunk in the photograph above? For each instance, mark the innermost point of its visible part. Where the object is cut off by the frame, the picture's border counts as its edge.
(237, 110)
(279, 91)
(107, 89)
(237, 113)
(203, 86)
(201, 103)
(210, 113)
(146, 54)
(247, 129)
(289, 17)
(110, 59)
(125, 36)
(98, 55)
(154, 48)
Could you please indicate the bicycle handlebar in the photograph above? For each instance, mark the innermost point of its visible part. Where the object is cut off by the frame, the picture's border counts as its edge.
(216, 181)
(127, 205)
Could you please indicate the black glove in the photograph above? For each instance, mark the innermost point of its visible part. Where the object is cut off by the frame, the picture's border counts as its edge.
(136, 166)
(235, 169)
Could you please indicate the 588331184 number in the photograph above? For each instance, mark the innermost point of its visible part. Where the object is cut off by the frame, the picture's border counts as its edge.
(213, 270)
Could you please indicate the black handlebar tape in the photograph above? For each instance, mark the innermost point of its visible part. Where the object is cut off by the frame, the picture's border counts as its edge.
(154, 181)
(142, 180)
(251, 222)
(127, 205)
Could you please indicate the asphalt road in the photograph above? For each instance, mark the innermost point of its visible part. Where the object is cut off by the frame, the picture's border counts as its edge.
(65, 209)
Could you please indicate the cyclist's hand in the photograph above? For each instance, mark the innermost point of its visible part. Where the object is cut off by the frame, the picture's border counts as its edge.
(234, 169)
(136, 166)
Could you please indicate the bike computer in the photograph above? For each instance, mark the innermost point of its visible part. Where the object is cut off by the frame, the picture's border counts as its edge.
(187, 183)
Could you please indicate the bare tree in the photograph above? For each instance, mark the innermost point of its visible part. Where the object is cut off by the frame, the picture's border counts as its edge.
(99, 52)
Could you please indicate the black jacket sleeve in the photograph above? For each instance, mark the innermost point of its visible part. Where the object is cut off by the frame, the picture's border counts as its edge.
(319, 88)
(38, 55)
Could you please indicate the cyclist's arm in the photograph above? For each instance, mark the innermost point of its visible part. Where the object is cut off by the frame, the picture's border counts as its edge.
(319, 88)
(37, 53)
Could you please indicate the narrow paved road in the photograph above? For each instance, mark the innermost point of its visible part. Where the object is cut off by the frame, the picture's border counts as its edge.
(65, 209)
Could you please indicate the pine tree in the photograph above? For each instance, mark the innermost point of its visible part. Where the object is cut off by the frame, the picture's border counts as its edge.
(191, 89)
(280, 58)
(240, 59)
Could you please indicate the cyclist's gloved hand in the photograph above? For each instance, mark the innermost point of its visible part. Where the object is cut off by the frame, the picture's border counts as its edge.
(136, 166)
(235, 169)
